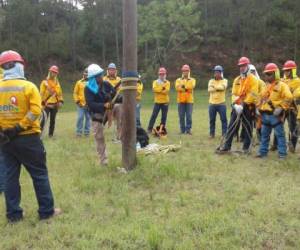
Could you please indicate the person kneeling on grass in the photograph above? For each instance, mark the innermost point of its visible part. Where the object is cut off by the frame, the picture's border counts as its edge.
(98, 95)
(275, 99)
(20, 129)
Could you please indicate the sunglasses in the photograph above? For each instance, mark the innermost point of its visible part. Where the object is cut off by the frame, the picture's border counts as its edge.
(8, 65)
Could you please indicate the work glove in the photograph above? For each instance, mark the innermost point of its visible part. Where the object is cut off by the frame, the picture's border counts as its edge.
(277, 111)
(13, 132)
(238, 108)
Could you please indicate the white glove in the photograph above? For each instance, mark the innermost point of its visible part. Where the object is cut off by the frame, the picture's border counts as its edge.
(277, 111)
(238, 108)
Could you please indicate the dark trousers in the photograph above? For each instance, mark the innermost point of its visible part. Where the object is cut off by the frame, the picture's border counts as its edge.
(213, 109)
(52, 112)
(246, 119)
(185, 111)
(2, 172)
(164, 107)
(29, 151)
(291, 118)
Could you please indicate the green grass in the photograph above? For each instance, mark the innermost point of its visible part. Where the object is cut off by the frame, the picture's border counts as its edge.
(191, 199)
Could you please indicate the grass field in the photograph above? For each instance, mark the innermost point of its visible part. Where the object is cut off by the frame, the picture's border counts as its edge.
(191, 199)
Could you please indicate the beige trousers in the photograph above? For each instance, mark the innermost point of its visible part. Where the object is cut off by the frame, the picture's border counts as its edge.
(98, 130)
(117, 116)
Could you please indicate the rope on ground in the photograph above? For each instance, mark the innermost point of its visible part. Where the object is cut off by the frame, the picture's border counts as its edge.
(158, 149)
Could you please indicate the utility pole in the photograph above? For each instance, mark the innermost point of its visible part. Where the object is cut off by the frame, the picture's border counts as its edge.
(129, 81)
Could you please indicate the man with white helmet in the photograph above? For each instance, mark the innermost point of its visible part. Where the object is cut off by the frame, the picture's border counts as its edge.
(20, 108)
(98, 96)
(115, 81)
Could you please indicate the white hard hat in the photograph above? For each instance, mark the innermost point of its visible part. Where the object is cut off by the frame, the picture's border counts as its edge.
(93, 70)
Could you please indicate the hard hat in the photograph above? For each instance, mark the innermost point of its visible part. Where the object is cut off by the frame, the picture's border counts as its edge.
(271, 67)
(289, 65)
(10, 56)
(218, 68)
(185, 68)
(162, 71)
(94, 70)
(243, 61)
(54, 69)
(112, 66)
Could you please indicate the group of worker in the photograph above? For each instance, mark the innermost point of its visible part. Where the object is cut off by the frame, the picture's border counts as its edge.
(255, 103)
(265, 105)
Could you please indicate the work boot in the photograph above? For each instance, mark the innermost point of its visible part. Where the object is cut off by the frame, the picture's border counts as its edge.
(223, 151)
(57, 212)
(189, 132)
(212, 137)
(260, 156)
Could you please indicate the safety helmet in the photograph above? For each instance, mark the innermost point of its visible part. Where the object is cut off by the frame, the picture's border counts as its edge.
(112, 66)
(185, 68)
(289, 65)
(218, 68)
(162, 71)
(10, 56)
(54, 69)
(94, 70)
(271, 67)
(243, 61)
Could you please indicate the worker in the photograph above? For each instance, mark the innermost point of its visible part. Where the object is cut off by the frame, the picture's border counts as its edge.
(185, 98)
(98, 95)
(20, 108)
(2, 164)
(275, 99)
(82, 110)
(52, 98)
(115, 81)
(139, 92)
(160, 88)
(217, 91)
(244, 98)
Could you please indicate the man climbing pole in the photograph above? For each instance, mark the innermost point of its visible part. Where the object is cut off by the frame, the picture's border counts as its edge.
(83, 119)
(274, 100)
(185, 98)
(217, 92)
(52, 98)
(244, 98)
(20, 130)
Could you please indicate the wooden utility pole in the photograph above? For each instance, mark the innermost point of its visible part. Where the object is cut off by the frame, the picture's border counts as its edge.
(129, 81)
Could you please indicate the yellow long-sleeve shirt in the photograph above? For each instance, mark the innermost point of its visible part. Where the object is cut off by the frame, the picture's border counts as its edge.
(278, 95)
(139, 91)
(20, 103)
(78, 93)
(161, 91)
(245, 89)
(292, 83)
(296, 96)
(217, 91)
(114, 81)
(185, 89)
(51, 92)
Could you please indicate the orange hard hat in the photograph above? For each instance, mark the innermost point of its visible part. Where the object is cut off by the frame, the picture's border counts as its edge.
(54, 69)
(243, 61)
(10, 56)
(271, 67)
(289, 65)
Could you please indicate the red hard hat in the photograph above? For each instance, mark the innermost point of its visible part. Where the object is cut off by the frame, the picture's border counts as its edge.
(271, 67)
(54, 69)
(289, 65)
(243, 60)
(10, 56)
(185, 68)
(162, 71)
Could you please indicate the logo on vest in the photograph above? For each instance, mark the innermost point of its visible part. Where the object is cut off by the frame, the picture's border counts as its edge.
(11, 107)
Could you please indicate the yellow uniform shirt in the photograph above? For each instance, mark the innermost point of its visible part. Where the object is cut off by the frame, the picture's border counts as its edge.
(245, 89)
(261, 86)
(20, 103)
(185, 90)
(292, 83)
(296, 96)
(78, 93)
(279, 94)
(114, 81)
(217, 91)
(139, 91)
(51, 92)
(161, 91)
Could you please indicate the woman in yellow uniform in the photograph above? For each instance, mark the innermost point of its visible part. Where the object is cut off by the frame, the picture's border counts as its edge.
(51, 94)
